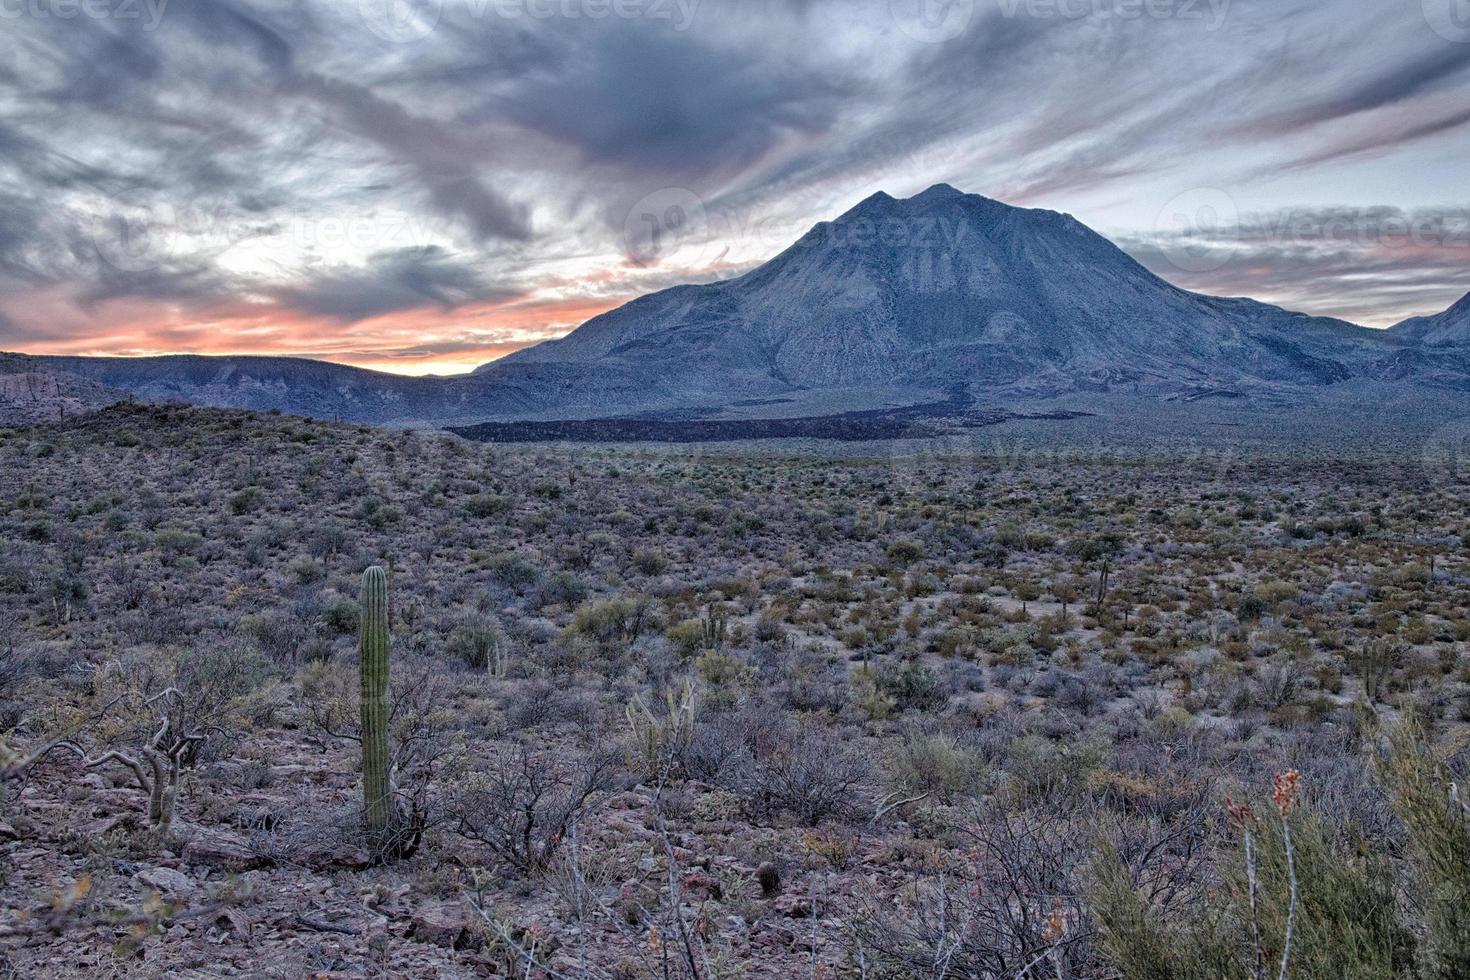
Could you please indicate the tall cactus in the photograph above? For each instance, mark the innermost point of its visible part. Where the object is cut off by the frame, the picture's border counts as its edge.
(377, 794)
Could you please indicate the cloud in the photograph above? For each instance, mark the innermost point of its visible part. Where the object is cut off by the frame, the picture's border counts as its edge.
(1374, 265)
(654, 102)
(1377, 138)
(1420, 73)
(391, 281)
(443, 158)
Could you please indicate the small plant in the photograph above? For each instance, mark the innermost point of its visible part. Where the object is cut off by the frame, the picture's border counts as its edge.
(1374, 662)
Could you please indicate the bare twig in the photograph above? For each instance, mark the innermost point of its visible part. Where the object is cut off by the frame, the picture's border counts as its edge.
(888, 804)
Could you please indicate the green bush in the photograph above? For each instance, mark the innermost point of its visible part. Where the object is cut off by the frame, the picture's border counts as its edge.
(904, 552)
(343, 615)
(937, 766)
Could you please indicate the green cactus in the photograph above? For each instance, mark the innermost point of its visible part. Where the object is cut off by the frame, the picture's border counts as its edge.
(661, 740)
(714, 627)
(377, 793)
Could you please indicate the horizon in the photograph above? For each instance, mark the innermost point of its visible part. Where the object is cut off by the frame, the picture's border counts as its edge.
(425, 186)
(447, 370)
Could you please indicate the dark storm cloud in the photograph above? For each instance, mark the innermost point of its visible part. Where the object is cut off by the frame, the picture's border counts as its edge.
(669, 104)
(392, 281)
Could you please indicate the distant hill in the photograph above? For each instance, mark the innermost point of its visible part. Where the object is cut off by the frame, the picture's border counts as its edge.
(297, 385)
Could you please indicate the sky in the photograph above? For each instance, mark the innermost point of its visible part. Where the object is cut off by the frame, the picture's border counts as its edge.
(422, 186)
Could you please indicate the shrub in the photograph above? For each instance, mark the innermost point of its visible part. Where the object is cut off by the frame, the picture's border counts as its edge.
(663, 732)
(1293, 899)
(487, 505)
(1435, 815)
(649, 561)
(343, 615)
(914, 686)
(904, 552)
(1251, 608)
(609, 620)
(520, 803)
(687, 636)
(812, 775)
(937, 766)
(512, 571)
(477, 640)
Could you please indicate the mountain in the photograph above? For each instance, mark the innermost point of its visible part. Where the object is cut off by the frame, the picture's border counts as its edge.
(1448, 329)
(929, 305)
(945, 289)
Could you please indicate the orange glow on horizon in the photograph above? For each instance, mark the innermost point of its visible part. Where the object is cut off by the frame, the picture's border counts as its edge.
(410, 342)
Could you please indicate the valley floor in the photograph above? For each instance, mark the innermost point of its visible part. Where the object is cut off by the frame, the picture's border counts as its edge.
(922, 710)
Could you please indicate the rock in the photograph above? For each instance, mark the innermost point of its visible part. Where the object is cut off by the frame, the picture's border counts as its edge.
(793, 906)
(219, 849)
(451, 925)
(175, 886)
(323, 855)
(700, 886)
(235, 920)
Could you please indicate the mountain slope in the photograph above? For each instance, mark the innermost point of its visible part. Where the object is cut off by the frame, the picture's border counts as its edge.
(1449, 328)
(295, 385)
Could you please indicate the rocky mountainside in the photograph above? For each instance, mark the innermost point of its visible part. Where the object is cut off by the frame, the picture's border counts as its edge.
(940, 299)
(31, 394)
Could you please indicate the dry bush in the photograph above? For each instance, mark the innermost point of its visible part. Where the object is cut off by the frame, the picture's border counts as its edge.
(520, 803)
